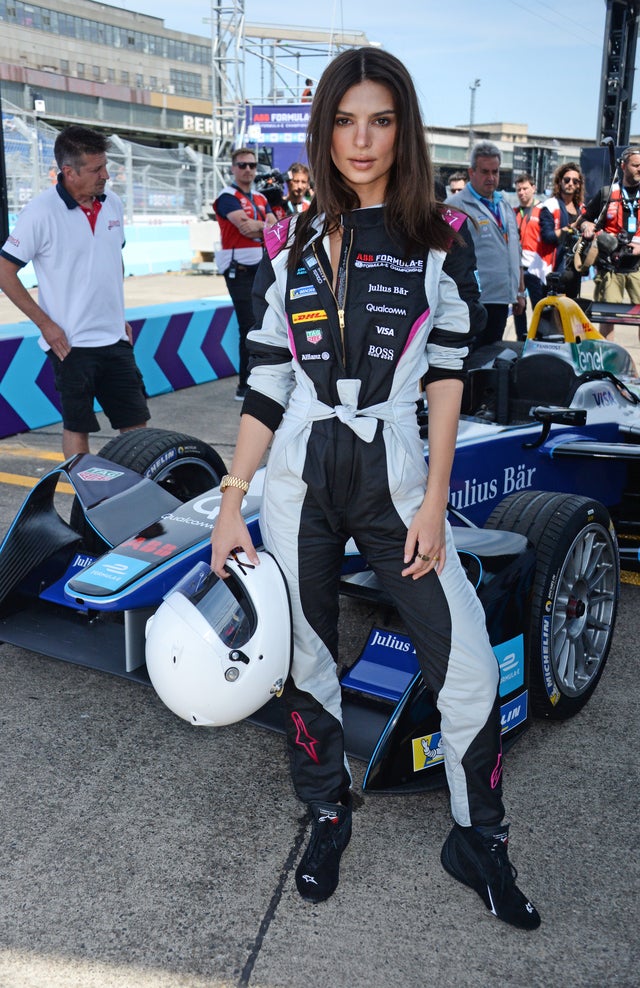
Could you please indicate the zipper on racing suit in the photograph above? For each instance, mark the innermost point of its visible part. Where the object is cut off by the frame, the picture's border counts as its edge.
(340, 295)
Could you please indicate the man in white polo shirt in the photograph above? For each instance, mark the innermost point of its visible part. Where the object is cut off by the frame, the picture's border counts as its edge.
(74, 235)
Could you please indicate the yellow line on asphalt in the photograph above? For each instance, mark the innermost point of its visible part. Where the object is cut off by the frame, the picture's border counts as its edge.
(19, 480)
(626, 576)
(28, 451)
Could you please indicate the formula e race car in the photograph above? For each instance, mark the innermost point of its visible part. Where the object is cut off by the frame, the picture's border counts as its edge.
(585, 393)
(532, 525)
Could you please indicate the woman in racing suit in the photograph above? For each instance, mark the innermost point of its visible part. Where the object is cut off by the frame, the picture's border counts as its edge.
(361, 297)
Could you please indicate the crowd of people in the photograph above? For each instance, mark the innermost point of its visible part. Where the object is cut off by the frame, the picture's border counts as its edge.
(516, 251)
(549, 235)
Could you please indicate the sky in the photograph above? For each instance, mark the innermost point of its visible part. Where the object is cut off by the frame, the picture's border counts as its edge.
(538, 63)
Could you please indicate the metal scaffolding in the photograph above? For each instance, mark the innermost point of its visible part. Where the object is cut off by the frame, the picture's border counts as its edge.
(227, 83)
(618, 67)
(285, 55)
(282, 56)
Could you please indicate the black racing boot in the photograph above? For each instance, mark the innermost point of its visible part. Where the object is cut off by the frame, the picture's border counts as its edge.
(481, 862)
(319, 870)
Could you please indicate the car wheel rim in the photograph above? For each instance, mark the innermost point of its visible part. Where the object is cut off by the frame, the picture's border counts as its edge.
(187, 478)
(582, 610)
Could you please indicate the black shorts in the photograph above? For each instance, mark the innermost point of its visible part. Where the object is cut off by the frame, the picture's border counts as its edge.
(106, 373)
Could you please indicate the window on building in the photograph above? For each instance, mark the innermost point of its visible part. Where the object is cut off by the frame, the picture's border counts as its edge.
(186, 83)
(25, 14)
(124, 77)
(66, 26)
(139, 80)
(55, 22)
(80, 70)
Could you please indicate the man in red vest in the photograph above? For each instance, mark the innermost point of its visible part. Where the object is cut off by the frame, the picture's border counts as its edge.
(528, 219)
(242, 216)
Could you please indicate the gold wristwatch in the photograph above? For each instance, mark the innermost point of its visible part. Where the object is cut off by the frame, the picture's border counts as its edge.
(229, 481)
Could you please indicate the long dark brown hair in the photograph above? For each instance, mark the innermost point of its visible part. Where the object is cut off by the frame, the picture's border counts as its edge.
(411, 215)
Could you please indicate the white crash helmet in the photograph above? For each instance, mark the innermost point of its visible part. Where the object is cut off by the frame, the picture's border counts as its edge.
(218, 650)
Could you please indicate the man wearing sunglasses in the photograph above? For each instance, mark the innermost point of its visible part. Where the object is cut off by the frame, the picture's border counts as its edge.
(559, 216)
(242, 216)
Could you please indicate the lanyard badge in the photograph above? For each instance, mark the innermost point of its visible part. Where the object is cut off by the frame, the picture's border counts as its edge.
(632, 206)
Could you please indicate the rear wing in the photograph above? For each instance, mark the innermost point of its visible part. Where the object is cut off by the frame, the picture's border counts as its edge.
(610, 313)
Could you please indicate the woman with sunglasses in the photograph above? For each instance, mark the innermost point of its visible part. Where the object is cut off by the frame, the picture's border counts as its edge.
(369, 291)
(558, 234)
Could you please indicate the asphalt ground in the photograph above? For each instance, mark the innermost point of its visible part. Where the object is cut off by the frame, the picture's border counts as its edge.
(139, 852)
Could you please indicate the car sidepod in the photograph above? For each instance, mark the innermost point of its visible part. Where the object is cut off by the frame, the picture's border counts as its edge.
(408, 755)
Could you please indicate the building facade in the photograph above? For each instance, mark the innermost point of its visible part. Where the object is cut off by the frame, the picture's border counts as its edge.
(86, 62)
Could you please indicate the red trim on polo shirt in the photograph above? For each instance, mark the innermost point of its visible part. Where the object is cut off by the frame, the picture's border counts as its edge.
(92, 214)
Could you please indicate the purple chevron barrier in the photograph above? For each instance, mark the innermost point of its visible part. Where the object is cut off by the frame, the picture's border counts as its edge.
(177, 345)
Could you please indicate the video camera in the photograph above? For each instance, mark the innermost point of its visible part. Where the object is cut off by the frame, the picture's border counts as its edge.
(271, 184)
(616, 254)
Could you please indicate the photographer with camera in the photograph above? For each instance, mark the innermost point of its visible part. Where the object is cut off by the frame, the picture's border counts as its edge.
(618, 259)
(242, 216)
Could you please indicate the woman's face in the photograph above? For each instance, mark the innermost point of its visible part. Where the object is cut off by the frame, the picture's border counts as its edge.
(363, 147)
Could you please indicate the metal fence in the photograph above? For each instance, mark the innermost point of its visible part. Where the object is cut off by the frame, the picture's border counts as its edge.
(152, 182)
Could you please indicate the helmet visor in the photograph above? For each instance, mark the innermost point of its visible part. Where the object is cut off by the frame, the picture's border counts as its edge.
(224, 604)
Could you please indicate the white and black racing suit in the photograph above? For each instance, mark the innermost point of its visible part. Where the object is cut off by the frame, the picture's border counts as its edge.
(347, 461)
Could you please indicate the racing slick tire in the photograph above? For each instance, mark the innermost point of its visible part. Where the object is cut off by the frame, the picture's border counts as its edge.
(181, 464)
(574, 596)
